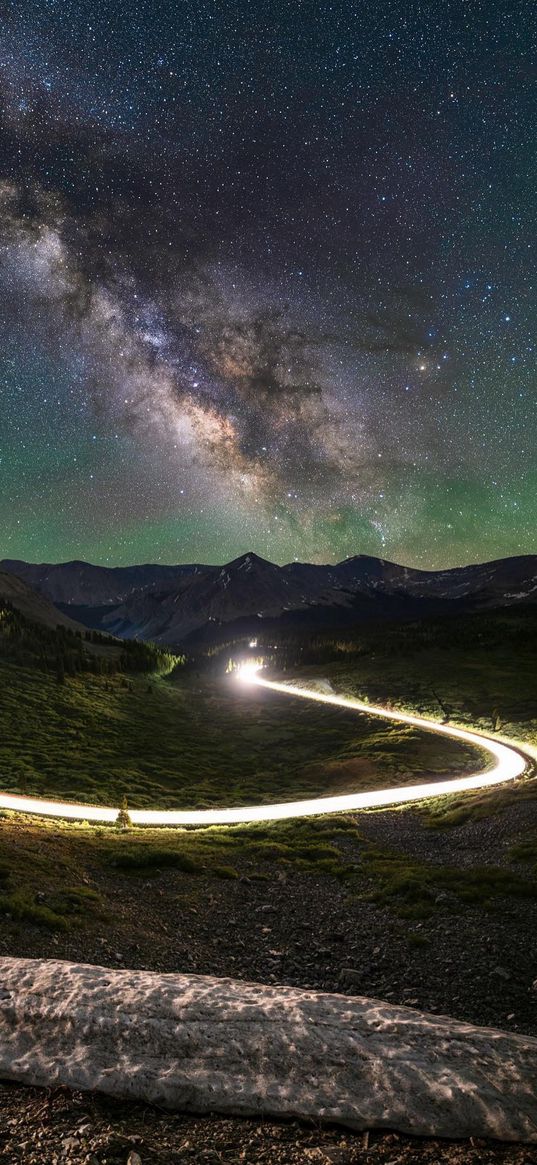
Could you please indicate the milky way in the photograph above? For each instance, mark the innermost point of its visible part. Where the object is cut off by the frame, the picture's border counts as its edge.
(266, 281)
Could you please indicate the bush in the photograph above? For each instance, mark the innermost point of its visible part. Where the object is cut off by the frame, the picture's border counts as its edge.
(228, 872)
(23, 909)
(153, 858)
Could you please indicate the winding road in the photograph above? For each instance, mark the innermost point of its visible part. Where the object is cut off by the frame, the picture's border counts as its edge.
(512, 759)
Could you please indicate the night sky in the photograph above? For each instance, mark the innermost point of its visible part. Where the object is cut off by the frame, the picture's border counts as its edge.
(266, 280)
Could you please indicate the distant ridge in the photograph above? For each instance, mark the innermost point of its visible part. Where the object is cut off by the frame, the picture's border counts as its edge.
(170, 604)
(32, 605)
(79, 582)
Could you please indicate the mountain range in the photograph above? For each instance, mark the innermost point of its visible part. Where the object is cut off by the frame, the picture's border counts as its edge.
(181, 604)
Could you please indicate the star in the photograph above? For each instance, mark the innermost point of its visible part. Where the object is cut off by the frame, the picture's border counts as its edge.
(229, 245)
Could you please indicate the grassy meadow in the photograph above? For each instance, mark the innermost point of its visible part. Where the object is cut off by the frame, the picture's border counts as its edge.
(478, 670)
(189, 743)
(199, 739)
(195, 740)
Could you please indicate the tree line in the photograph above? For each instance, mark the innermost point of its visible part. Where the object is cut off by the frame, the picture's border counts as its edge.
(66, 652)
(286, 647)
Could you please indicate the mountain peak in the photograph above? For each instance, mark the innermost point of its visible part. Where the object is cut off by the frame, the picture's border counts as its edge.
(249, 561)
(168, 604)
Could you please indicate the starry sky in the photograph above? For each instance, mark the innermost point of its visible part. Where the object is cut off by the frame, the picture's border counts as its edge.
(266, 280)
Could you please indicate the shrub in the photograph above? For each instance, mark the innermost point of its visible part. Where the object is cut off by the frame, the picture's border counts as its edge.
(151, 857)
(225, 872)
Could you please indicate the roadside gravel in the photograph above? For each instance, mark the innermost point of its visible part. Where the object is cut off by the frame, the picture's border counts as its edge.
(296, 928)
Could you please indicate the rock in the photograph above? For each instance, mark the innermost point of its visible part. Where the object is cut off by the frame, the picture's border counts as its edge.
(200, 1044)
(446, 898)
(501, 973)
(134, 1158)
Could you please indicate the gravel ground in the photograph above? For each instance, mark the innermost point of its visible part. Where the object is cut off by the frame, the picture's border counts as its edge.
(296, 929)
(65, 1128)
(478, 843)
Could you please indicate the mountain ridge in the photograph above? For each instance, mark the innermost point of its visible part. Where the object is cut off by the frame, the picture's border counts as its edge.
(33, 605)
(170, 604)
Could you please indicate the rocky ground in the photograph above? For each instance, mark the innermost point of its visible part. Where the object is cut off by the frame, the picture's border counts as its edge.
(292, 927)
(64, 1128)
(282, 925)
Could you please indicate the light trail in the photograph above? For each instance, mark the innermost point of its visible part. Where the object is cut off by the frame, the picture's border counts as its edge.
(511, 758)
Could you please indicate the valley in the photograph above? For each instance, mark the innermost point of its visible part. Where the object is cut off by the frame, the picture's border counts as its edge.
(432, 906)
(191, 742)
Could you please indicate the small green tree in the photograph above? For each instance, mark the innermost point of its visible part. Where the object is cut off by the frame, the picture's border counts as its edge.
(123, 820)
